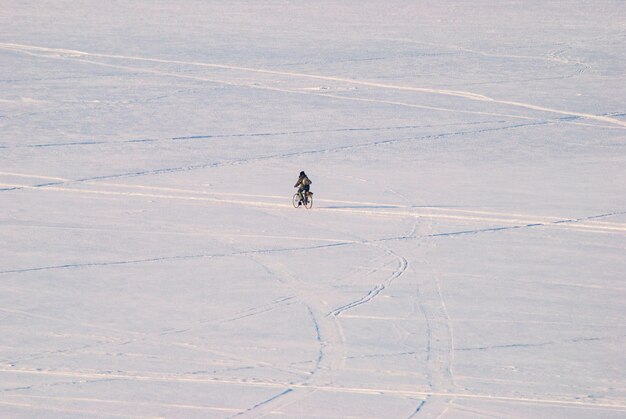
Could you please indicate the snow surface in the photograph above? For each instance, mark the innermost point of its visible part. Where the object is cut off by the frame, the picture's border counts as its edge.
(465, 255)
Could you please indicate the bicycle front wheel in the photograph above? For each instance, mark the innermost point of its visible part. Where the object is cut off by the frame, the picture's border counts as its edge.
(296, 200)
(309, 201)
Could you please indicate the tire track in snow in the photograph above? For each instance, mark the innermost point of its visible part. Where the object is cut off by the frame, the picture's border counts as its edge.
(318, 336)
(74, 55)
(574, 224)
(285, 155)
(245, 135)
(374, 292)
(171, 258)
(328, 333)
(369, 208)
(21, 399)
(584, 224)
(616, 405)
(130, 337)
(253, 410)
(440, 354)
(542, 344)
(274, 305)
(258, 86)
(504, 221)
(304, 297)
(65, 411)
(439, 357)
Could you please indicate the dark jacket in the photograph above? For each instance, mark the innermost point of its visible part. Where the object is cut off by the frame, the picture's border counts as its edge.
(303, 182)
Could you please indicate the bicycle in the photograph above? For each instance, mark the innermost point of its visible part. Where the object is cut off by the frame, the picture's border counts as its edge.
(306, 200)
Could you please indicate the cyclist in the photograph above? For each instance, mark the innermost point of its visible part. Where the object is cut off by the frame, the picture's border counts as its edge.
(303, 187)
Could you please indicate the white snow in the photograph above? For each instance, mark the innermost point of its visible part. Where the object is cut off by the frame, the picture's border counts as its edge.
(465, 255)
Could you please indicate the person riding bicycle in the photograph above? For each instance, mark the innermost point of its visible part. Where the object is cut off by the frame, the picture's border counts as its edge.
(303, 185)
